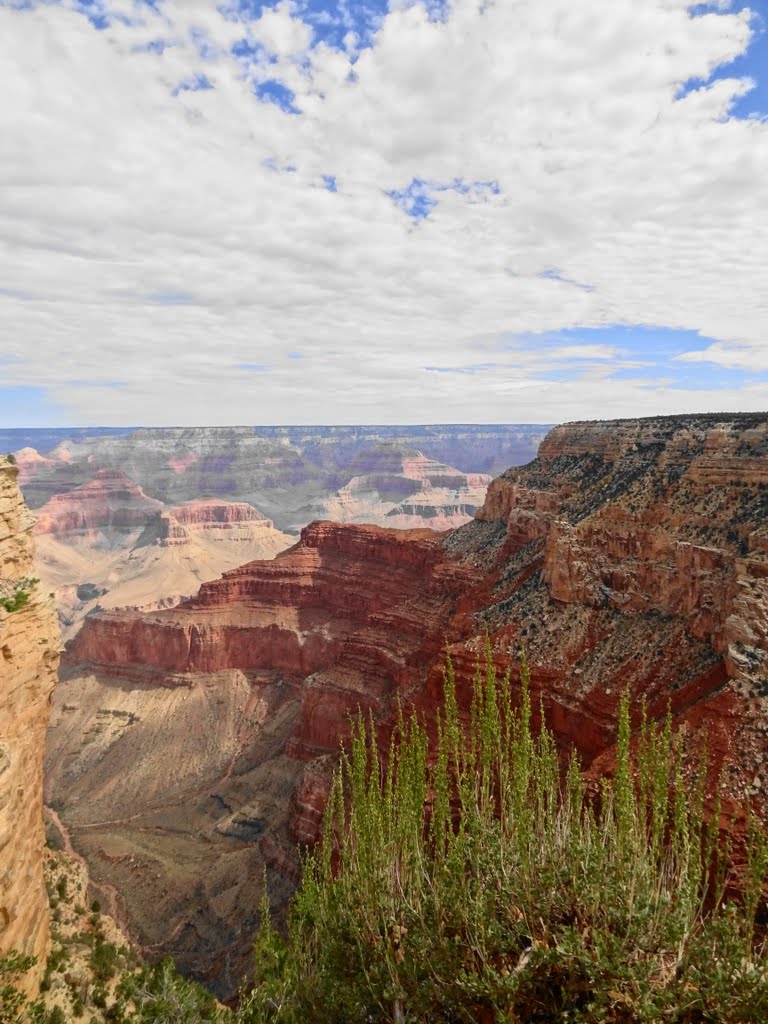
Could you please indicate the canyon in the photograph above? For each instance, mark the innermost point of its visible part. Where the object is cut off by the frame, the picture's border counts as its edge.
(106, 545)
(191, 748)
(29, 656)
(282, 471)
(108, 504)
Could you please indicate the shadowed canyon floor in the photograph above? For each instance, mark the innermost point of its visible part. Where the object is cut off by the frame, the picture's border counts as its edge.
(191, 746)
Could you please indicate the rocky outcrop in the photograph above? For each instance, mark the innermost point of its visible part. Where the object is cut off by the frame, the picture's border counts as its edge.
(29, 655)
(213, 517)
(110, 501)
(151, 567)
(356, 602)
(402, 488)
(613, 557)
(659, 516)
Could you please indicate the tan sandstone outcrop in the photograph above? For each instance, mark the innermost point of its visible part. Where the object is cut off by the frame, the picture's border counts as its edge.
(29, 655)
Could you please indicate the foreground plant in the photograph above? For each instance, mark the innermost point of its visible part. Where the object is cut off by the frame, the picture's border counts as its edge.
(477, 881)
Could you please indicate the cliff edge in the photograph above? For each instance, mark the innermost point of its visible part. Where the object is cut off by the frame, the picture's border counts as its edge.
(29, 657)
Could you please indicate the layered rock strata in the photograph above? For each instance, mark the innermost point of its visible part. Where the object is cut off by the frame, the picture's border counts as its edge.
(627, 556)
(29, 655)
(110, 501)
(164, 558)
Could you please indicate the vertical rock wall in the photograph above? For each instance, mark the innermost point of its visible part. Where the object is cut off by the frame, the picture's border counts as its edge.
(29, 657)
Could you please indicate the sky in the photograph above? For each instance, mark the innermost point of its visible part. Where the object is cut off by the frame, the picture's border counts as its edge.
(381, 211)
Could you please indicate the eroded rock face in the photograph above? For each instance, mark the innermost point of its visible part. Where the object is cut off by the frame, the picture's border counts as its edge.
(402, 488)
(660, 516)
(160, 560)
(278, 469)
(111, 501)
(628, 556)
(29, 655)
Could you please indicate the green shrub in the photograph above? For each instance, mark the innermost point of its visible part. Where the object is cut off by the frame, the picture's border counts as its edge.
(104, 959)
(480, 882)
(15, 1007)
(21, 594)
(158, 995)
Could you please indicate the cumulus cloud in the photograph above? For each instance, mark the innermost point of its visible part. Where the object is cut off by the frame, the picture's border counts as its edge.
(164, 235)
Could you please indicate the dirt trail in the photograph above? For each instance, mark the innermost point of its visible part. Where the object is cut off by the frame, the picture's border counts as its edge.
(108, 895)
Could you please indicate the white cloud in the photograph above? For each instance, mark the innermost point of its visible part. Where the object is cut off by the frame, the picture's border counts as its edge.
(114, 193)
(281, 33)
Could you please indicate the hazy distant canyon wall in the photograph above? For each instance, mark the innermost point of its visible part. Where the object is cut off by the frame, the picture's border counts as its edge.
(29, 656)
(277, 469)
(111, 506)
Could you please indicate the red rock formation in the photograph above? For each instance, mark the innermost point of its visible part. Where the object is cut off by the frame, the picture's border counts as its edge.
(111, 501)
(175, 525)
(217, 514)
(355, 607)
(608, 565)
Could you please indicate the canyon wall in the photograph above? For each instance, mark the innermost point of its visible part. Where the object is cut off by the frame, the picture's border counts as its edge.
(627, 557)
(106, 501)
(106, 545)
(29, 656)
(287, 472)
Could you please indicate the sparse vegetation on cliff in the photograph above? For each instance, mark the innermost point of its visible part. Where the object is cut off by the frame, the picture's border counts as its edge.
(20, 593)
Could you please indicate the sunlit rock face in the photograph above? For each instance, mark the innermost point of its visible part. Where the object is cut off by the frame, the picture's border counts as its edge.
(627, 556)
(29, 656)
(106, 545)
(111, 506)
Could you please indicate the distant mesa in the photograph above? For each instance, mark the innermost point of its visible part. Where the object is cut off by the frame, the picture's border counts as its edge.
(401, 487)
(110, 501)
(106, 545)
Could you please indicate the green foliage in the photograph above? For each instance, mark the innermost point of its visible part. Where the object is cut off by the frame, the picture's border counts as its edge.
(476, 880)
(15, 1008)
(104, 959)
(21, 594)
(11, 458)
(158, 995)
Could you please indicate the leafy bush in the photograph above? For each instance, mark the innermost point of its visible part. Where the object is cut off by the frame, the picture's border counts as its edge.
(158, 995)
(104, 959)
(482, 883)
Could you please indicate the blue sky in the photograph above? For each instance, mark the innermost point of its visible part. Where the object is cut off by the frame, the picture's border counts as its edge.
(332, 211)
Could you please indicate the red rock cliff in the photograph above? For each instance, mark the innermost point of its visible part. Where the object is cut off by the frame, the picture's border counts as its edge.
(628, 554)
(109, 501)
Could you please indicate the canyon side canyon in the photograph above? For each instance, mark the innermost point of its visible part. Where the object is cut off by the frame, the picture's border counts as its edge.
(190, 748)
